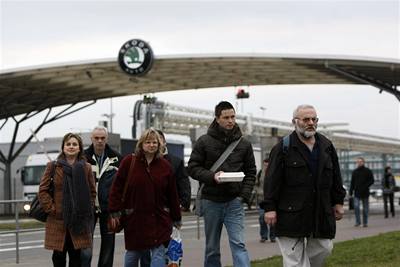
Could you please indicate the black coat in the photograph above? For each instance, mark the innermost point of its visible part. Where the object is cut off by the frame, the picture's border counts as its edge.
(304, 206)
(208, 149)
(361, 179)
(182, 180)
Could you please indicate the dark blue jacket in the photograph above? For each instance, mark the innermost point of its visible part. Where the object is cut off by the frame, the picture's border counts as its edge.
(104, 176)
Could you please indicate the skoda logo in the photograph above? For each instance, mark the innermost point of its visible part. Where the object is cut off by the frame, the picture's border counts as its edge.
(135, 57)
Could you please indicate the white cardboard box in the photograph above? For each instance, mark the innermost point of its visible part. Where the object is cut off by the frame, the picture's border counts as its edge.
(231, 177)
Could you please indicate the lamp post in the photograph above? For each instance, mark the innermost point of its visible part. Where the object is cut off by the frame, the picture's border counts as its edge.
(263, 109)
(110, 116)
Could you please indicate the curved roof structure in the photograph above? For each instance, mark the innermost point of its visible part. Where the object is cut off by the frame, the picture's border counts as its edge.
(39, 88)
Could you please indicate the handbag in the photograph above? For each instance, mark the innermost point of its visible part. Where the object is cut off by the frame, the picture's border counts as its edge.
(198, 210)
(115, 222)
(36, 210)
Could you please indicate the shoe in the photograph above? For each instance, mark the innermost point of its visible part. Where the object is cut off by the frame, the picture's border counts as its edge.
(357, 225)
(262, 240)
(365, 225)
(273, 240)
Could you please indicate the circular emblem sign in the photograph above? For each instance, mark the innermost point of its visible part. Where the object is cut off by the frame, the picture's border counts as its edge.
(135, 57)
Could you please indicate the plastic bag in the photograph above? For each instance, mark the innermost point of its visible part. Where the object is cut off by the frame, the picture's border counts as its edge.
(175, 249)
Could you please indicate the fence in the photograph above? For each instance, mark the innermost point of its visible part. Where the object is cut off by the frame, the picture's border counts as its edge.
(16, 208)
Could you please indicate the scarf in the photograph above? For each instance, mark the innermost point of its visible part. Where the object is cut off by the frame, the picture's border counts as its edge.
(77, 204)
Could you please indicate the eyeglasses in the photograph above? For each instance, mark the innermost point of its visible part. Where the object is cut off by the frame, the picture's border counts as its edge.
(305, 120)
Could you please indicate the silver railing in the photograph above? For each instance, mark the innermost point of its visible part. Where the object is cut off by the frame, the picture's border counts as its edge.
(16, 208)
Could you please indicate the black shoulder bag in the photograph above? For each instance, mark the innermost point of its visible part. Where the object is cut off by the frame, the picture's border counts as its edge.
(36, 211)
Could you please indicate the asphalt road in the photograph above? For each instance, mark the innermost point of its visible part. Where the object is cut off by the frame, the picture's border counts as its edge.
(33, 254)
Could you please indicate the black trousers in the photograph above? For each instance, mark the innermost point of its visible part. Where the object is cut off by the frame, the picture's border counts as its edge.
(59, 258)
(390, 198)
(106, 256)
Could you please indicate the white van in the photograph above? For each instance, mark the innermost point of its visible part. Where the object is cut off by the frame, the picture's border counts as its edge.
(32, 172)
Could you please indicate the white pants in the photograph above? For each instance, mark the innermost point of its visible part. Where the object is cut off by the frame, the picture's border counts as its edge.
(304, 252)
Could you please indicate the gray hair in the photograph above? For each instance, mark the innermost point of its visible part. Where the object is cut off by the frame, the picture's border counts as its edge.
(303, 106)
(100, 128)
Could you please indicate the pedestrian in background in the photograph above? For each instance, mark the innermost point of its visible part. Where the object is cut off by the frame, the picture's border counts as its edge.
(388, 184)
(105, 162)
(150, 205)
(222, 202)
(303, 192)
(266, 231)
(180, 173)
(361, 179)
(70, 207)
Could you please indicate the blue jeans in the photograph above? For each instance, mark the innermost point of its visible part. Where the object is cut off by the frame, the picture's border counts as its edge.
(132, 257)
(106, 256)
(266, 231)
(365, 204)
(230, 214)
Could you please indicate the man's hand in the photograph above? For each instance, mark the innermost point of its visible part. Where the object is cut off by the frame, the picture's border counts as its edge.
(270, 218)
(216, 177)
(339, 211)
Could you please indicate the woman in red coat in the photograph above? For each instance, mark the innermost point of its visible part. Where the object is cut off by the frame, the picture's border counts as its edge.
(70, 207)
(150, 203)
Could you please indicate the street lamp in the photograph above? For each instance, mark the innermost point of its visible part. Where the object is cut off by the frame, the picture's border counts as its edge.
(263, 109)
(110, 115)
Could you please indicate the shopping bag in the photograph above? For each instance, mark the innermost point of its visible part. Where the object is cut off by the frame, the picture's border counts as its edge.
(175, 249)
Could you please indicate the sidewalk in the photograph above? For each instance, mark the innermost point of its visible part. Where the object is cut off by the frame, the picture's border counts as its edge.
(194, 249)
(345, 231)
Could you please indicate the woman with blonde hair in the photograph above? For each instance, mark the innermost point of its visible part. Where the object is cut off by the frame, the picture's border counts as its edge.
(150, 205)
(70, 205)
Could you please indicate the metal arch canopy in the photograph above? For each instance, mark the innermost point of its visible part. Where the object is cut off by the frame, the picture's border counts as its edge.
(39, 88)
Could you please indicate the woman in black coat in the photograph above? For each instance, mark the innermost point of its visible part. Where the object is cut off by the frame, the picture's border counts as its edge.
(388, 184)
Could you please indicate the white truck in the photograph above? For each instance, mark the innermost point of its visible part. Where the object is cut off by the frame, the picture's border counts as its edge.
(32, 172)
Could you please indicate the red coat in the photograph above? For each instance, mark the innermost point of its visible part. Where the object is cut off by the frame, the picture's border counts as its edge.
(152, 195)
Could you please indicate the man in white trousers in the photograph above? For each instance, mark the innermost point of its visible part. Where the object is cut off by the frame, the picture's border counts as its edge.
(303, 192)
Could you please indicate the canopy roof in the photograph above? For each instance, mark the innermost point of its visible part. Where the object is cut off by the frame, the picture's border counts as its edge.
(39, 88)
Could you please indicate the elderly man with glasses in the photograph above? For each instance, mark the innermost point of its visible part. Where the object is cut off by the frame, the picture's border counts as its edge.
(303, 192)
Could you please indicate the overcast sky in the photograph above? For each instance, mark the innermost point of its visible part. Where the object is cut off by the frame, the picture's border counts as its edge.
(48, 32)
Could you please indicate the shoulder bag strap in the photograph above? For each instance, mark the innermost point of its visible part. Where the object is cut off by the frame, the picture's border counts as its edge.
(221, 160)
(225, 155)
(127, 178)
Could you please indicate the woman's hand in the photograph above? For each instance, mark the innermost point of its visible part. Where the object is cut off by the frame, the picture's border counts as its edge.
(177, 224)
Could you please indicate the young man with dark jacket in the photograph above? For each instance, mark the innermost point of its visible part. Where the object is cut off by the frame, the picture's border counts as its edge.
(303, 192)
(105, 162)
(361, 179)
(222, 202)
